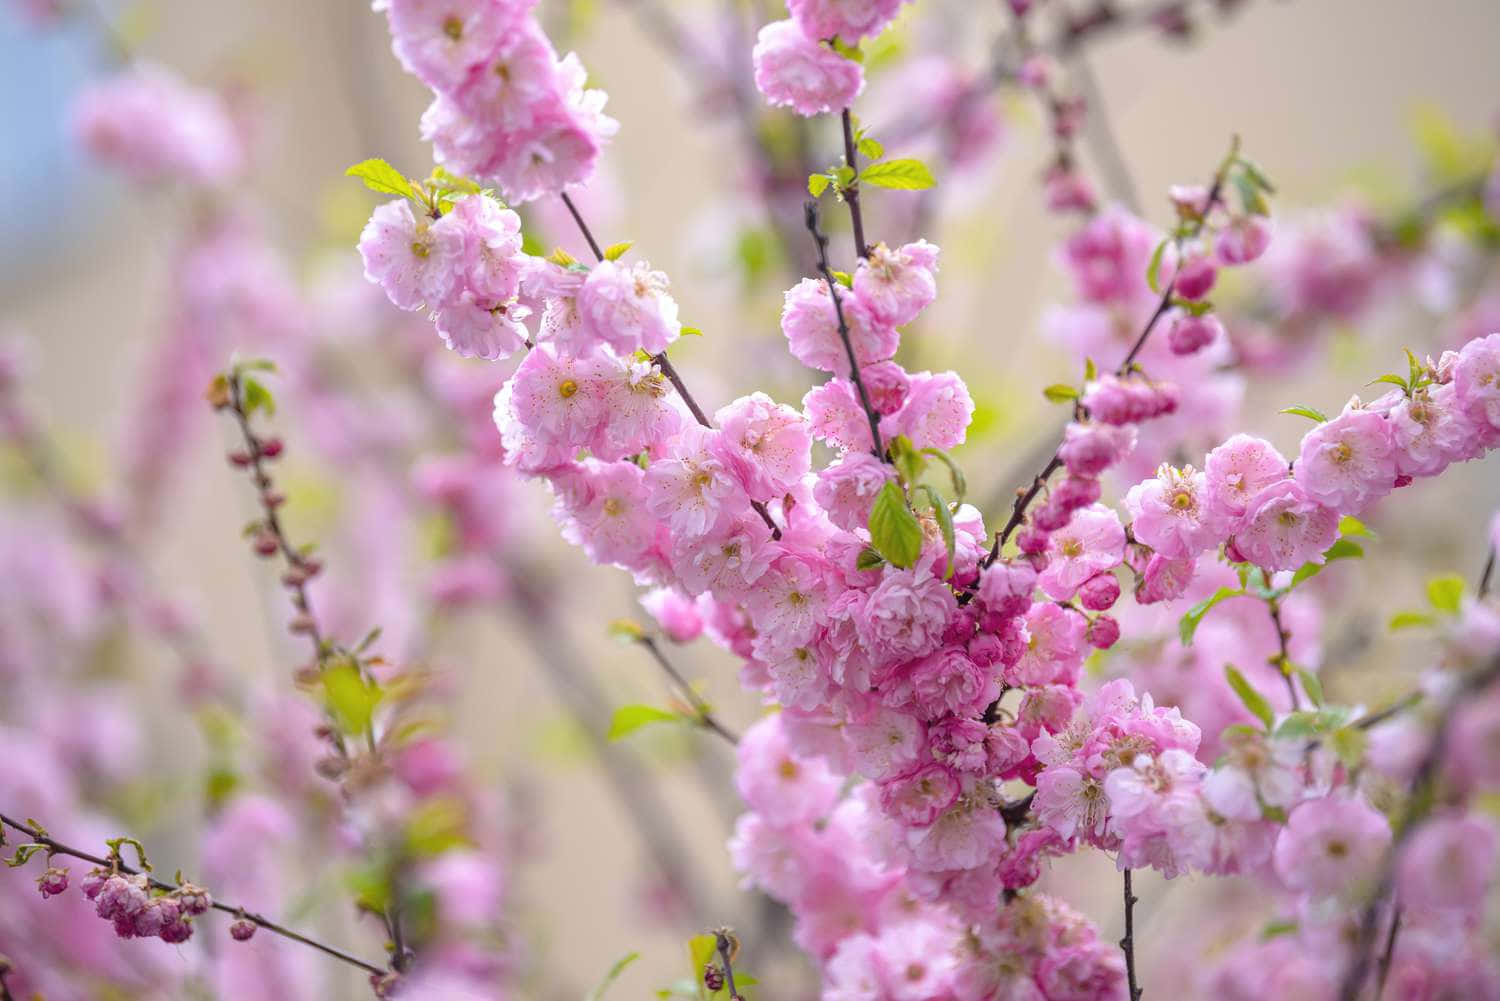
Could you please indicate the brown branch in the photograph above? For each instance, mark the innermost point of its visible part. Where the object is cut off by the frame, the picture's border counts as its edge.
(701, 709)
(1127, 943)
(851, 193)
(55, 847)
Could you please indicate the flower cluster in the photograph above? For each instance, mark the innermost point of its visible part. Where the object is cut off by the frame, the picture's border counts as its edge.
(507, 109)
(138, 910)
(804, 63)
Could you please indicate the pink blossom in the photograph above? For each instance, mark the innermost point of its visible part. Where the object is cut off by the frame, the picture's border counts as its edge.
(472, 329)
(492, 247)
(1449, 862)
(1284, 528)
(768, 445)
(1054, 647)
(1171, 513)
(783, 788)
(628, 308)
(896, 285)
(1238, 470)
(937, 411)
(810, 323)
(795, 71)
(439, 42)
(939, 683)
(675, 613)
(1331, 845)
(1189, 334)
(836, 416)
(550, 408)
(1476, 380)
(1092, 542)
(416, 261)
(1165, 578)
(1006, 587)
(849, 22)
(1243, 240)
(1090, 449)
(1107, 258)
(905, 616)
(888, 385)
(1348, 462)
(884, 742)
(1430, 430)
(691, 488)
(917, 797)
(846, 488)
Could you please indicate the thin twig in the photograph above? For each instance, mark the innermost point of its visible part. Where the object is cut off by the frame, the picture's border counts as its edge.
(59, 848)
(701, 709)
(721, 941)
(851, 193)
(1284, 658)
(811, 214)
(1127, 943)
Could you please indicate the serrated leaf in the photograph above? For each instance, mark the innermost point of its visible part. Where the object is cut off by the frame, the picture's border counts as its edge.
(1060, 392)
(257, 397)
(615, 251)
(612, 975)
(1308, 412)
(868, 559)
(1410, 620)
(1311, 685)
(817, 184)
(1253, 700)
(1194, 617)
(871, 149)
(1446, 592)
(382, 177)
(895, 532)
(629, 719)
(350, 696)
(960, 482)
(945, 524)
(1342, 549)
(906, 175)
(1153, 270)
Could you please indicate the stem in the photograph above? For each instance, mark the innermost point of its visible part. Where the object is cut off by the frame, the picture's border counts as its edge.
(1487, 573)
(56, 847)
(721, 940)
(1389, 954)
(1283, 659)
(1127, 944)
(811, 211)
(851, 193)
(665, 364)
(701, 709)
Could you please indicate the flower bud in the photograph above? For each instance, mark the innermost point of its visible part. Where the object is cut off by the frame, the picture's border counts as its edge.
(1099, 592)
(1189, 334)
(52, 881)
(1103, 632)
(242, 930)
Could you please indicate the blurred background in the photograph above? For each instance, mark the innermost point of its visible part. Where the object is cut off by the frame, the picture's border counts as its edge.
(1335, 99)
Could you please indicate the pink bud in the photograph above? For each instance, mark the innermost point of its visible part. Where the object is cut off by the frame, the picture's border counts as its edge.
(242, 930)
(1103, 632)
(1243, 240)
(1076, 492)
(1190, 334)
(1032, 541)
(1099, 592)
(1195, 278)
(52, 881)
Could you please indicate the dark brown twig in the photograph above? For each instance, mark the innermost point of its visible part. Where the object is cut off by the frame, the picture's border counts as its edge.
(700, 708)
(1127, 943)
(851, 193)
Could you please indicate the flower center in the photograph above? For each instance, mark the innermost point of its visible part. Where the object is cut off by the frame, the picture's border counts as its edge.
(567, 388)
(1337, 849)
(1342, 452)
(787, 769)
(1182, 500)
(453, 27)
(614, 506)
(420, 248)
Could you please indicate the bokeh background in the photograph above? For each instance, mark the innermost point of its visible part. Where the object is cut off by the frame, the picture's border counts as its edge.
(1329, 96)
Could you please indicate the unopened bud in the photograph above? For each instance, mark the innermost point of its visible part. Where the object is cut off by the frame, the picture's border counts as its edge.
(242, 930)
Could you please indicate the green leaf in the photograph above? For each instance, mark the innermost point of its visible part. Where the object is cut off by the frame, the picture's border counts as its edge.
(1410, 620)
(627, 630)
(960, 482)
(691, 332)
(1250, 197)
(350, 696)
(23, 854)
(1060, 392)
(1275, 929)
(1394, 380)
(1311, 685)
(615, 251)
(1349, 744)
(382, 177)
(871, 149)
(848, 51)
(701, 949)
(843, 175)
(1190, 622)
(868, 559)
(945, 523)
(629, 719)
(1253, 700)
(1256, 175)
(908, 461)
(908, 175)
(612, 975)
(894, 530)
(1090, 370)
(1350, 525)
(1308, 412)
(817, 184)
(1446, 592)
(257, 397)
(1153, 270)
(1342, 549)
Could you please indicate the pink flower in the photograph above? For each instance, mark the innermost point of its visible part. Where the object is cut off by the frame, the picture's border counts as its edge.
(905, 616)
(1476, 380)
(1284, 528)
(1171, 513)
(1331, 845)
(1131, 400)
(1107, 258)
(1006, 587)
(888, 385)
(896, 285)
(691, 488)
(472, 329)
(1449, 862)
(1069, 802)
(611, 516)
(628, 308)
(849, 22)
(1189, 334)
(1165, 579)
(492, 247)
(1348, 462)
(836, 416)
(917, 797)
(1430, 431)
(884, 742)
(793, 70)
(768, 444)
(783, 788)
(675, 613)
(1090, 449)
(936, 413)
(1239, 469)
(943, 682)
(439, 42)
(846, 488)
(1054, 647)
(550, 408)
(810, 323)
(1243, 240)
(514, 82)
(1092, 542)
(416, 261)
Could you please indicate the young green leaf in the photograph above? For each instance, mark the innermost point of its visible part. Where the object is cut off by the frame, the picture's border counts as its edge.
(1308, 412)
(1060, 392)
(1446, 592)
(1311, 685)
(1153, 270)
(629, 719)
(945, 523)
(257, 397)
(351, 697)
(1350, 525)
(615, 251)
(908, 175)
(871, 149)
(1190, 622)
(817, 184)
(627, 630)
(960, 483)
(1410, 620)
(868, 559)
(691, 332)
(1253, 700)
(614, 974)
(895, 532)
(1394, 380)
(382, 177)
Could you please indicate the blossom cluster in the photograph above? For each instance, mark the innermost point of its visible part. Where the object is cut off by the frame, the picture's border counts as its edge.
(507, 108)
(804, 62)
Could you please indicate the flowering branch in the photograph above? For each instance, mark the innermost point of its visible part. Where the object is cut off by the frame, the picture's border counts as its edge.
(856, 218)
(811, 214)
(701, 709)
(113, 863)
